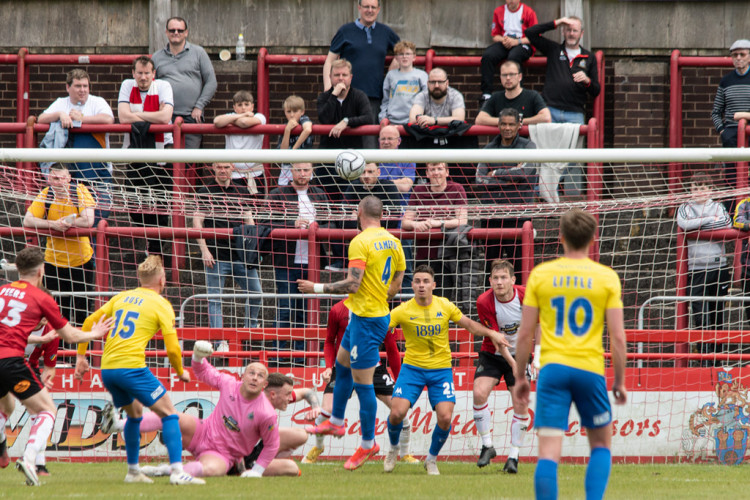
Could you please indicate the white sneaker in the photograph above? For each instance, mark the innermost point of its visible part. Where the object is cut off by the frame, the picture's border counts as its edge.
(390, 460)
(29, 470)
(109, 419)
(184, 478)
(431, 467)
(137, 478)
(157, 470)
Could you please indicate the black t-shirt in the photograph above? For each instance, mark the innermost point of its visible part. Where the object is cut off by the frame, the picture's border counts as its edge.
(227, 205)
(385, 190)
(528, 103)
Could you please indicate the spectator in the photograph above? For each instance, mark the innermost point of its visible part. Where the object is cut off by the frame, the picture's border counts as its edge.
(507, 183)
(571, 77)
(68, 260)
(370, 183)
(509, 23)
(365, 43)
(78, 108)
(439, 192)
(401, 86)
(224, 195)
(440, 104)
(294, 110)
(732, 102)
(290, 258)
(529, 103)
(244, 117)
(143, 101)
(707, 273)
(403, 176)
(742, 222)
(343, 106)
(188, 69)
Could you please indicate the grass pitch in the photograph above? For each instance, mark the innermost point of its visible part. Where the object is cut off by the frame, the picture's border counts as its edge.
(329, 480)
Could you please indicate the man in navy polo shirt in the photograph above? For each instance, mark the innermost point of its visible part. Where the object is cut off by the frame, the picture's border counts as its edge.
(364, 43)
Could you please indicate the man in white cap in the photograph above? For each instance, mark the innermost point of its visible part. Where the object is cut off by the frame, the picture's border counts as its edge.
(732, 102)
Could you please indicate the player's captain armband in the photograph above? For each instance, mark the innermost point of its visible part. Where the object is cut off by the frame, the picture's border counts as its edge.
(359, 264)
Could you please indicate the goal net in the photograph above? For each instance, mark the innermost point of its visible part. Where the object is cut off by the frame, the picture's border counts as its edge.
(234, 254)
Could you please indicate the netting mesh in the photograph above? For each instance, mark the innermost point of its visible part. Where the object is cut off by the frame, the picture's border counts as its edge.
(637, 207)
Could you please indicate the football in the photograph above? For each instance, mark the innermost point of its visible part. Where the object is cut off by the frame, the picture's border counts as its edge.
(350, 164)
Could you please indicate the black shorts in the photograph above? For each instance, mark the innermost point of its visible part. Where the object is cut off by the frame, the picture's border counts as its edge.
(381, 380)
(16, 376)
(491, 365)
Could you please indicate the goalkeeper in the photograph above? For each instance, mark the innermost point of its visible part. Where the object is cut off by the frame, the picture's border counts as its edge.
(242, 416)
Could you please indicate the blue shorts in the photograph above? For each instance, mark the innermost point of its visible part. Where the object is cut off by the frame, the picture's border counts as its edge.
(362, 338)
(559, 386)
(439, 382)
(127, 384)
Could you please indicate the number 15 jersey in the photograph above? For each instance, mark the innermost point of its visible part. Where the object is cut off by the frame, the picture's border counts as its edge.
(572, 296)
(379, 254)
(139, 314)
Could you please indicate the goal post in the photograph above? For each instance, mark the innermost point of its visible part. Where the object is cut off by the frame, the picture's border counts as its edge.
(684, 359)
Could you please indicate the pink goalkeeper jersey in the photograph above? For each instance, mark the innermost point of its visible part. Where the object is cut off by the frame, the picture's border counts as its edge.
(236, 424)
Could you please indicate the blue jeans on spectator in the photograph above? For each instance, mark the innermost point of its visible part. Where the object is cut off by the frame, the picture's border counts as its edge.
(290, 312)
(572, 178)
(246, 278)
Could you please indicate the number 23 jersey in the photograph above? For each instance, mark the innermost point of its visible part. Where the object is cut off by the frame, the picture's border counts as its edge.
(379, 254)
(426, 331)
(572, 296)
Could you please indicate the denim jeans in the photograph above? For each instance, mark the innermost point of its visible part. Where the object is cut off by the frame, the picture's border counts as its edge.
(572, 178)
(246, 278)
(290, 312)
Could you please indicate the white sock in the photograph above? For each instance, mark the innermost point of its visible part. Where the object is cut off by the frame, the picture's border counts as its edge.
(431, 457)
(514, 452)
(518, 428)
(176, 467)
(403, 440)
(368, 443)
(134, 469)
(40, 431)
(41, 459)
(336, 421)
(322, 416)
(483, 421)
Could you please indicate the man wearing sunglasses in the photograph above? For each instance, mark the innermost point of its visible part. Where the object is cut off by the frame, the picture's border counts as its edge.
(189, 71)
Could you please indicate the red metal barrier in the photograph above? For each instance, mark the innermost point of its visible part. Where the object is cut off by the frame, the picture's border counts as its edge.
(429, 60)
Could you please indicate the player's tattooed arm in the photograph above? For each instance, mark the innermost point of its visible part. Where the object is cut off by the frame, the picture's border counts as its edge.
(348, 285)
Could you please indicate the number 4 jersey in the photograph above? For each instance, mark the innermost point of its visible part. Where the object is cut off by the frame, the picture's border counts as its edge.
(572, 296)
(139, 314)
(22, 307)
(379, 254)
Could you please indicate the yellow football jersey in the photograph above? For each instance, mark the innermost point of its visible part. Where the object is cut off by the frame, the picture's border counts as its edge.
(380, 255)
(139, 314)
(572, 296)
(426, 331)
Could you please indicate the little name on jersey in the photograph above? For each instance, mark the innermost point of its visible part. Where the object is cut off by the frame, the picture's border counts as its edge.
(13, 292)
(384, 245)
(572, 282)
(138, 301)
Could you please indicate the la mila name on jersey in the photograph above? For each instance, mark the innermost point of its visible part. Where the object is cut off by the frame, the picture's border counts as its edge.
(572, 296)
(379, 254)
(139, 314)
(426, 331)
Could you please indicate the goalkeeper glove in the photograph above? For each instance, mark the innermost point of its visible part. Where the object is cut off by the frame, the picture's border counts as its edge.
(201, 349)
